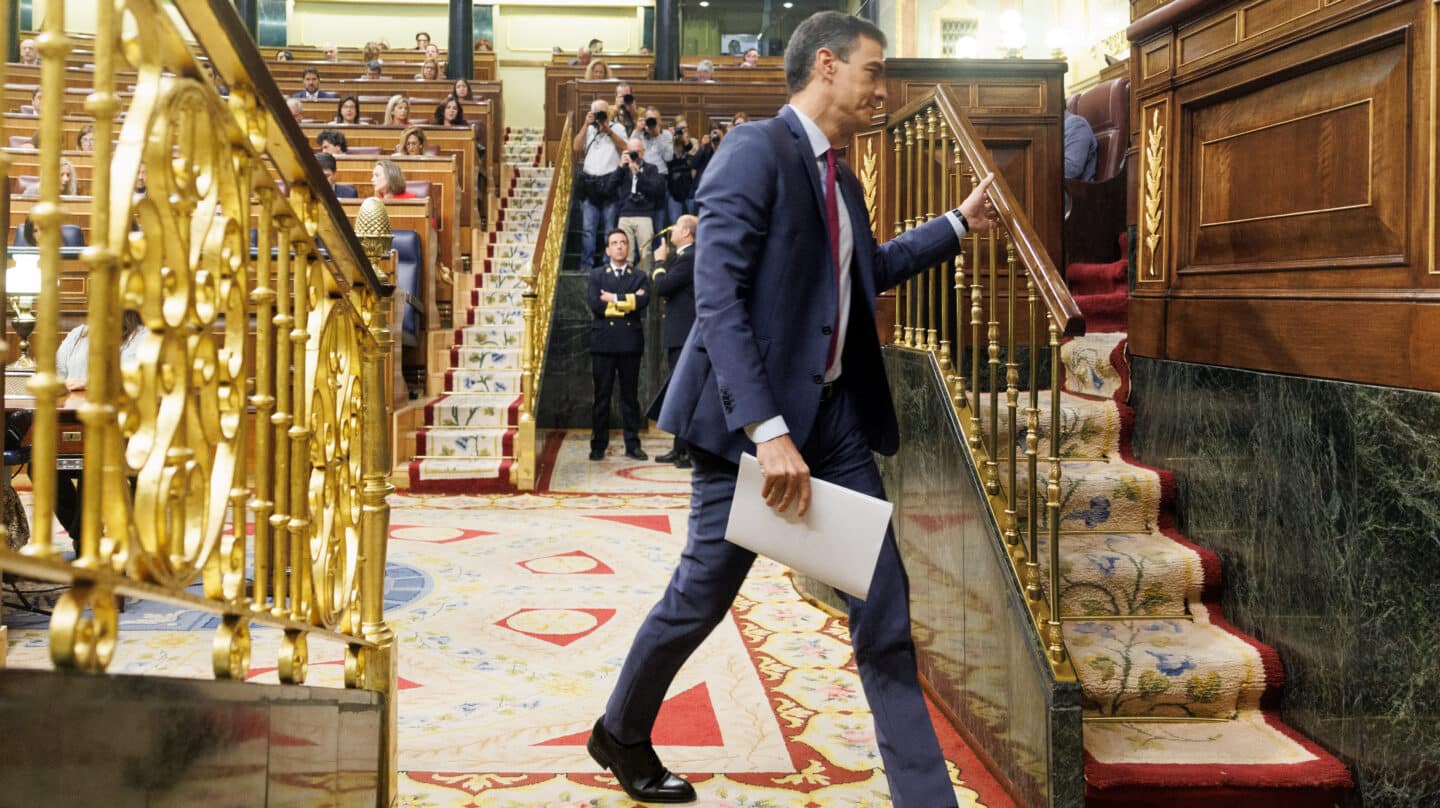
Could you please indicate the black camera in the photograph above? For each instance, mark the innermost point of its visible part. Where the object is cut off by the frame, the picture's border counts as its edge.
(635, 157)
(714, 139)
(650, 123)
(629, 98)
(600, 117)
(687, 145)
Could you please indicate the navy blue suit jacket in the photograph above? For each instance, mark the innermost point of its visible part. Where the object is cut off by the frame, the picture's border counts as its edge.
(764, 292)
(676, 284)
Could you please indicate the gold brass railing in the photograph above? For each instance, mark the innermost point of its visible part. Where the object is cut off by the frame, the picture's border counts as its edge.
(1006, 295)
(258, 399)
(539, 304)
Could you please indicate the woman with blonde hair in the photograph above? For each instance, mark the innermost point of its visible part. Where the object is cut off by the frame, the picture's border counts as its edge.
(397, 111)
(412, 142)
(597, 70)
(429, 71)
(388, 181)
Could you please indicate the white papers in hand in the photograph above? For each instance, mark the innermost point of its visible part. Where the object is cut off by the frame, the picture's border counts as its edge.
(837, 542)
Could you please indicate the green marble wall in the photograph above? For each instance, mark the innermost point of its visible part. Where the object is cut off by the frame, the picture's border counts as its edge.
(1323, 500)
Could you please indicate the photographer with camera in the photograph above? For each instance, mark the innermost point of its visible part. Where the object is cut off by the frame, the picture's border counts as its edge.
(681, 199)
(598, 145)
(659, 151)
(706, 151)
(640, 187)
(622, 111)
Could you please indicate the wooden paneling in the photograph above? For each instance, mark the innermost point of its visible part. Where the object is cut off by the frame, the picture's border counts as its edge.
(1287, 189)
(559, 96)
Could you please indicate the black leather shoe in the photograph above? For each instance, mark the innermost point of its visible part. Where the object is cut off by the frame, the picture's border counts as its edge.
(671, 456)
(597, 454)
(683, 462)
(638, 768)
(636, 454)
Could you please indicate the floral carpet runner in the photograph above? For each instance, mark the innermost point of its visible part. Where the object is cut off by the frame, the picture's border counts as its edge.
(468, 442)
(1157, 646)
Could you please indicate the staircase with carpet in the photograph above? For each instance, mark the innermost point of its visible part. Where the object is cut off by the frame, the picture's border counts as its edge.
(1143, 623)
(467, 443)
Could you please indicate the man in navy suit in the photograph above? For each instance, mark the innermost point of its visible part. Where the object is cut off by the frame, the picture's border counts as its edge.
(675, 283)
(784, 361)
(618, 296)
(312, 91)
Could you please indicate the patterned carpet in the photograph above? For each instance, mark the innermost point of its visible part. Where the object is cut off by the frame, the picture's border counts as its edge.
(514, 613)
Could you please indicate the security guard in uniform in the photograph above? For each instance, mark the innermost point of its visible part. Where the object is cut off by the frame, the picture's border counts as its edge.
(617, 296)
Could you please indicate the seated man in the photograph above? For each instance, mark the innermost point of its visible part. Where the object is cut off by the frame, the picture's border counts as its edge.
(1081, 150)
(332, 142)
(312, 91)
(327, 167)
(29, 54)
(705, 71)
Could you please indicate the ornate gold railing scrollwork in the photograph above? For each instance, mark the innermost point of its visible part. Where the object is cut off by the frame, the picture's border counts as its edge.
(539, 303)
(241, 438)
(1016, 301)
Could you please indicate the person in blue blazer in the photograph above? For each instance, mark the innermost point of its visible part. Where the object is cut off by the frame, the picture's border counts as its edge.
(784, 361)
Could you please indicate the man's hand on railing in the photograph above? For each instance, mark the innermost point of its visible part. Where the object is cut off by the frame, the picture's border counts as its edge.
(978, 210)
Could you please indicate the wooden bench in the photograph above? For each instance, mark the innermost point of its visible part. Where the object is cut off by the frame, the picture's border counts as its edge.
(443, 172)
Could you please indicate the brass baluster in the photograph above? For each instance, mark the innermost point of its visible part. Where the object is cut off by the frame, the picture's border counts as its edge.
(284, 413)
(932, 276)
(947, 201)
(961, 388)
(1032, 448)
(263, 296)
(306, 265)
(912, 209)
(977, 438)
(46, 215)
(992, 336)
(99, 413)
(1012, 398)
(898, 337)
(1055, 637)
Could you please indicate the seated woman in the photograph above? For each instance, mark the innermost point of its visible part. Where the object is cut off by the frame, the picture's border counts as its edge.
(67, 182)
(429, 71)
(284, 56)
(449, 113)
(348, 111)
(462, 91)
(71, 364)
(397, 111)
(597, 70)
(85, 139)
(412, 142)
(388, 181)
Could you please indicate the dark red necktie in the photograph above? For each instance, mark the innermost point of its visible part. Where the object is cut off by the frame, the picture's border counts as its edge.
(832, 226)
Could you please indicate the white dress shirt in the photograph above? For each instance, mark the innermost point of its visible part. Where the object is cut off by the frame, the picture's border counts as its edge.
(771, 428)
(601, 156)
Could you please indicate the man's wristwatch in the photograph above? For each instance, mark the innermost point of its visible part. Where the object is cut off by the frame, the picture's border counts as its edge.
(965, 223)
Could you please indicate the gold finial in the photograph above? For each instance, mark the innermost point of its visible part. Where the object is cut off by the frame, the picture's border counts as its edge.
(372, 225)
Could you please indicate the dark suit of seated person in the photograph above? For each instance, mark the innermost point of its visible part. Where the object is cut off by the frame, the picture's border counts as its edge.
(618, 296)
(327, 166)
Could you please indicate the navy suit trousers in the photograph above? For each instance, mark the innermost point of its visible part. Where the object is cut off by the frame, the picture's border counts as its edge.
(709, 576)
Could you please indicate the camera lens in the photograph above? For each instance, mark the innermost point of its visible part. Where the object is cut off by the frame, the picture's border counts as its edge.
(600, 116)
(634, 156)
(629, 98)
(650, 123)
(715, 140)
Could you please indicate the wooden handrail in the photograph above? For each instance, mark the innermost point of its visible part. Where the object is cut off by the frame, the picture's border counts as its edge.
(1054, 292)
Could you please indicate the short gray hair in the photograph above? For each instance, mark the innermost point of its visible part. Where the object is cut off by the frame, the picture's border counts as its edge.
(831, 30)
(705, 66)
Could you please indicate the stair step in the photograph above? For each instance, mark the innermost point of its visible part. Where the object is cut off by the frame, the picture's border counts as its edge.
(1089, 428)
(465, 442)
(1095, 496)
(478, 358)
(490, 336)
(482, 381)
(1165, 668)
(490, 410)
(1134, 574)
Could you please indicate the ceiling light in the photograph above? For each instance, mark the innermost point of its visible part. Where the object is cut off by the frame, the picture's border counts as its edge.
(704, 3)
(789, 5)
